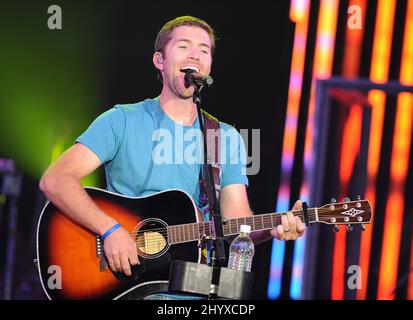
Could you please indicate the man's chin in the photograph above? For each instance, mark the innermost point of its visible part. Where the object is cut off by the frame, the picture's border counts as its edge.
(185, 96)
(182, 92)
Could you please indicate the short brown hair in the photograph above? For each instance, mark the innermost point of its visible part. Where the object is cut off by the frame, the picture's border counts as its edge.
(164, 36)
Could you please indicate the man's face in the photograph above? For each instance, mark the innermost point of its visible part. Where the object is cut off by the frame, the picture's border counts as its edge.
(188, 47)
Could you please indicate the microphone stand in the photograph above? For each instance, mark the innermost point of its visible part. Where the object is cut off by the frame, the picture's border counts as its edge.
(217, 241)
(193, 277)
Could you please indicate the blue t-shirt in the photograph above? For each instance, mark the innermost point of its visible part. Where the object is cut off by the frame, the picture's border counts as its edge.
(144, 151)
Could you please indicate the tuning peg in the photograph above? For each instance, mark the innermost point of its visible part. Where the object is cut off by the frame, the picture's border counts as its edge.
(333, 200)
(346, 199)
(363, 227)
(336, 228)
(349, 228)
(358, 197)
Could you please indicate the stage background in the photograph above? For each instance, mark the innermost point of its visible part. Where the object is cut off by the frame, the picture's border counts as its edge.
(53, 83)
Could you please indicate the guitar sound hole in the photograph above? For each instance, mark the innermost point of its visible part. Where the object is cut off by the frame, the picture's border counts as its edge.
(151, 238)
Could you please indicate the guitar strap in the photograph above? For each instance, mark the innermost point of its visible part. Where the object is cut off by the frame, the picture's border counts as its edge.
(213, 138)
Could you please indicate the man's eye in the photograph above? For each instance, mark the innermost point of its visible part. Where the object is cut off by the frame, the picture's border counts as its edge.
(204, 51)
(183, 47)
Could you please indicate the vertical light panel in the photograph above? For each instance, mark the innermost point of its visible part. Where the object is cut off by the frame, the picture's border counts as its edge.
(299, 13)
(349, 152)
(323, 61)
(398, 170)
(354, 43)
(378, 73)
(406, 71)
(350, 145)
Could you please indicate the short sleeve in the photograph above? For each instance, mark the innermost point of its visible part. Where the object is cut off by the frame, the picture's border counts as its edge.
(105, 134)
(233, 157)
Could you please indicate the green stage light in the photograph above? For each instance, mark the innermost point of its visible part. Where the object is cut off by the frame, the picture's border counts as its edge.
(50, 86)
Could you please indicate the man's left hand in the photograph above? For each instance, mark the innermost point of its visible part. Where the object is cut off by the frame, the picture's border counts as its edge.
(292, 227)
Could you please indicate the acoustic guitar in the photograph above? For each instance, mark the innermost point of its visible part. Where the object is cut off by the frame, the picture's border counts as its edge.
(166, 226)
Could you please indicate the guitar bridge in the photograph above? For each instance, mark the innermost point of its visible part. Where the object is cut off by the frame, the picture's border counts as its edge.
(103, 264)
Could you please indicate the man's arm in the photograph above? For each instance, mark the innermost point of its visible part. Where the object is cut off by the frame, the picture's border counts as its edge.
(61, 185)
(234, 204)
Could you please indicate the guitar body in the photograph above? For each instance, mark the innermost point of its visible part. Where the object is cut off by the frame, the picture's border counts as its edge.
(71, 261)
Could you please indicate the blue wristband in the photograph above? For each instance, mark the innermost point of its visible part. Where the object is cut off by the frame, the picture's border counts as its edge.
(105, 235)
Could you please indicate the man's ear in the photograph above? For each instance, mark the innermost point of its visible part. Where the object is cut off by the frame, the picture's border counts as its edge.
(158, 61)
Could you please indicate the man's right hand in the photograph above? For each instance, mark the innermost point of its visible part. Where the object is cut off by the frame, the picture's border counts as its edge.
(121, 251)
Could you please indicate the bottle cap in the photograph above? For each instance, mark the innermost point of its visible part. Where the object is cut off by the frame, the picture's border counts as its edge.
(245, 228)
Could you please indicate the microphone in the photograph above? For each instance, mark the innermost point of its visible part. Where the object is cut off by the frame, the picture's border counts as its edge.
(195, 78)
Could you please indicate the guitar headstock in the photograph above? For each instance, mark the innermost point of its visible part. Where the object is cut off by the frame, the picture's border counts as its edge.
(346, 212)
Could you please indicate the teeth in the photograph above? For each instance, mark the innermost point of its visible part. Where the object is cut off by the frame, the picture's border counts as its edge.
(190, 68)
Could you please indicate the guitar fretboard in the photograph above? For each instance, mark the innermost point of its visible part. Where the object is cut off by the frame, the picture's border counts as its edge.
(188, 232)
(195, 231)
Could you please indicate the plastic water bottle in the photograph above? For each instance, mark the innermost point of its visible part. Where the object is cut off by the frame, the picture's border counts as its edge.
(241, 251)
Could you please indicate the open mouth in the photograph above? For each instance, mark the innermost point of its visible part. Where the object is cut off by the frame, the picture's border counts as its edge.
(186, 68)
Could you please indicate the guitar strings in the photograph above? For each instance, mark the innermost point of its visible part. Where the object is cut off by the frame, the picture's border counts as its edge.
(182, 236)
(320, 213)
(265, 220)
(323, 213)
(164, 231)
(265, 217)
(181, 239)
(326, 212)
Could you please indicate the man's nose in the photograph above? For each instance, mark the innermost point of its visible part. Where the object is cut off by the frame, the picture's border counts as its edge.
(194, 55)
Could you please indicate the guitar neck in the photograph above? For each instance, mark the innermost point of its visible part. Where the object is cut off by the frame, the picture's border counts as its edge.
(344, 213)
(263, 221)
(195, 231)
